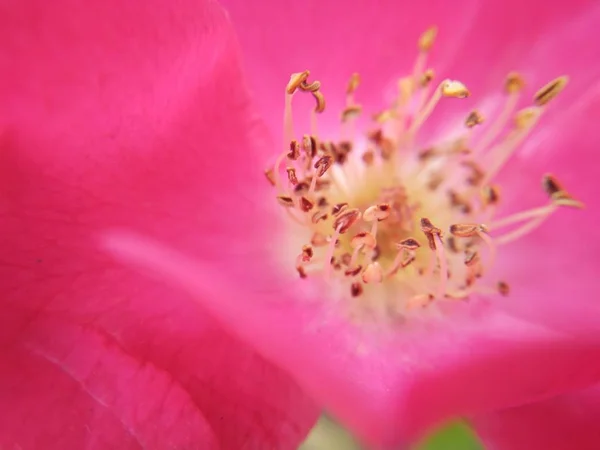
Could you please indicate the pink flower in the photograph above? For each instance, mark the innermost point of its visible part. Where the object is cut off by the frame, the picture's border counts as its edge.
(397, 353)
(108, 110)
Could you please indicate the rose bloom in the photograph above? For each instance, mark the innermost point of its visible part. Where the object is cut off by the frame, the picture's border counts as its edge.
(389, 248)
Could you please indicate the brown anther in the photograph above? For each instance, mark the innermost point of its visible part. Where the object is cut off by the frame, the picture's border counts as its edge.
(323, 164)
(426, 78)
(473, 119)
(550, 91)
(320, 98)
(338, 208)
(305, 204)
(435, 180)
(296, 79)
(525, 117)
(322, 202)
(301, 188)
(301, 271)
(455, 89)
(319, 216)
(490, 194)
(286, 201)
(345, 147)
(294, 152)
(386, 148)
(368, 157)
(291, 173)
(377, 212)
(322, 184)
(351, 112)
(310, 87)
(307, 253)
(309, 145)
(373, 273)
(409, 244)
(363, 238)
(427, 39)
(353, 83)
(503, 288)
(514, 83)
(356, 289)
(269, 173)
(345, 220)
(353, 271)
(430, 232)
(346, 258)
(458, 201)
(319, 240)
(464, 229)
(558, 194)
(375, 135)
(471, 258)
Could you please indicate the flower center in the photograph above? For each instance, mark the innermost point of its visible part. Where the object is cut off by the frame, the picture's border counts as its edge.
(399, 228)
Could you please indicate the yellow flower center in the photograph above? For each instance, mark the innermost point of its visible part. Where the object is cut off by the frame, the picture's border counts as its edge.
(395, 227)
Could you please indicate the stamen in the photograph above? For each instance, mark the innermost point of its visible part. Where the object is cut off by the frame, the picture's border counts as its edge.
(473, 119)
(292, 176)
(345, 220)
(441, 256)
(356, 289)
(503, 288)
(558, 194)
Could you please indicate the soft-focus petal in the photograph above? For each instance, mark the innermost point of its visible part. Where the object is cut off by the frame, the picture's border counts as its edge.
(79, 388)
(121, 114)
(568, 421)
(478, 42)
(405, 379)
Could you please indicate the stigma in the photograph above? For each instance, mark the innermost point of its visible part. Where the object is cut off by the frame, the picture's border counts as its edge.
(395, 228)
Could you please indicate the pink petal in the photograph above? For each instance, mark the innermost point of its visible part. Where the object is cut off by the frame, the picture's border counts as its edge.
(478, 42)
(405, 379)
(118, 114)
(568, 421)
(72, 386)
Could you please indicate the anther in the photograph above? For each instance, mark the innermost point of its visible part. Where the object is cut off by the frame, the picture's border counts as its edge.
(301, 188)
(307, 253)
(291, 173)
(408, 243)
(368, 157)
(356, 289)
(286, 201)
(309, 145)
(310, 87)
(353, 83)
(526, 117)
(467, 229)
(296, 79)
(514, 83)
(363, 239)
(550, 91)
(490, 195)
(322, 202)
(319, 216)
(473, 119)
(427, 39)
(323, 164)
(558, 194)
(453, 88)
(320, 98)
(430, 232)
(338, 208)
(353, 271)
(377, 212)
(345, 220)
(305, 204)
(301, 271)
(351, 112)
(373, 273)
(294, 152)
(503, 288)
